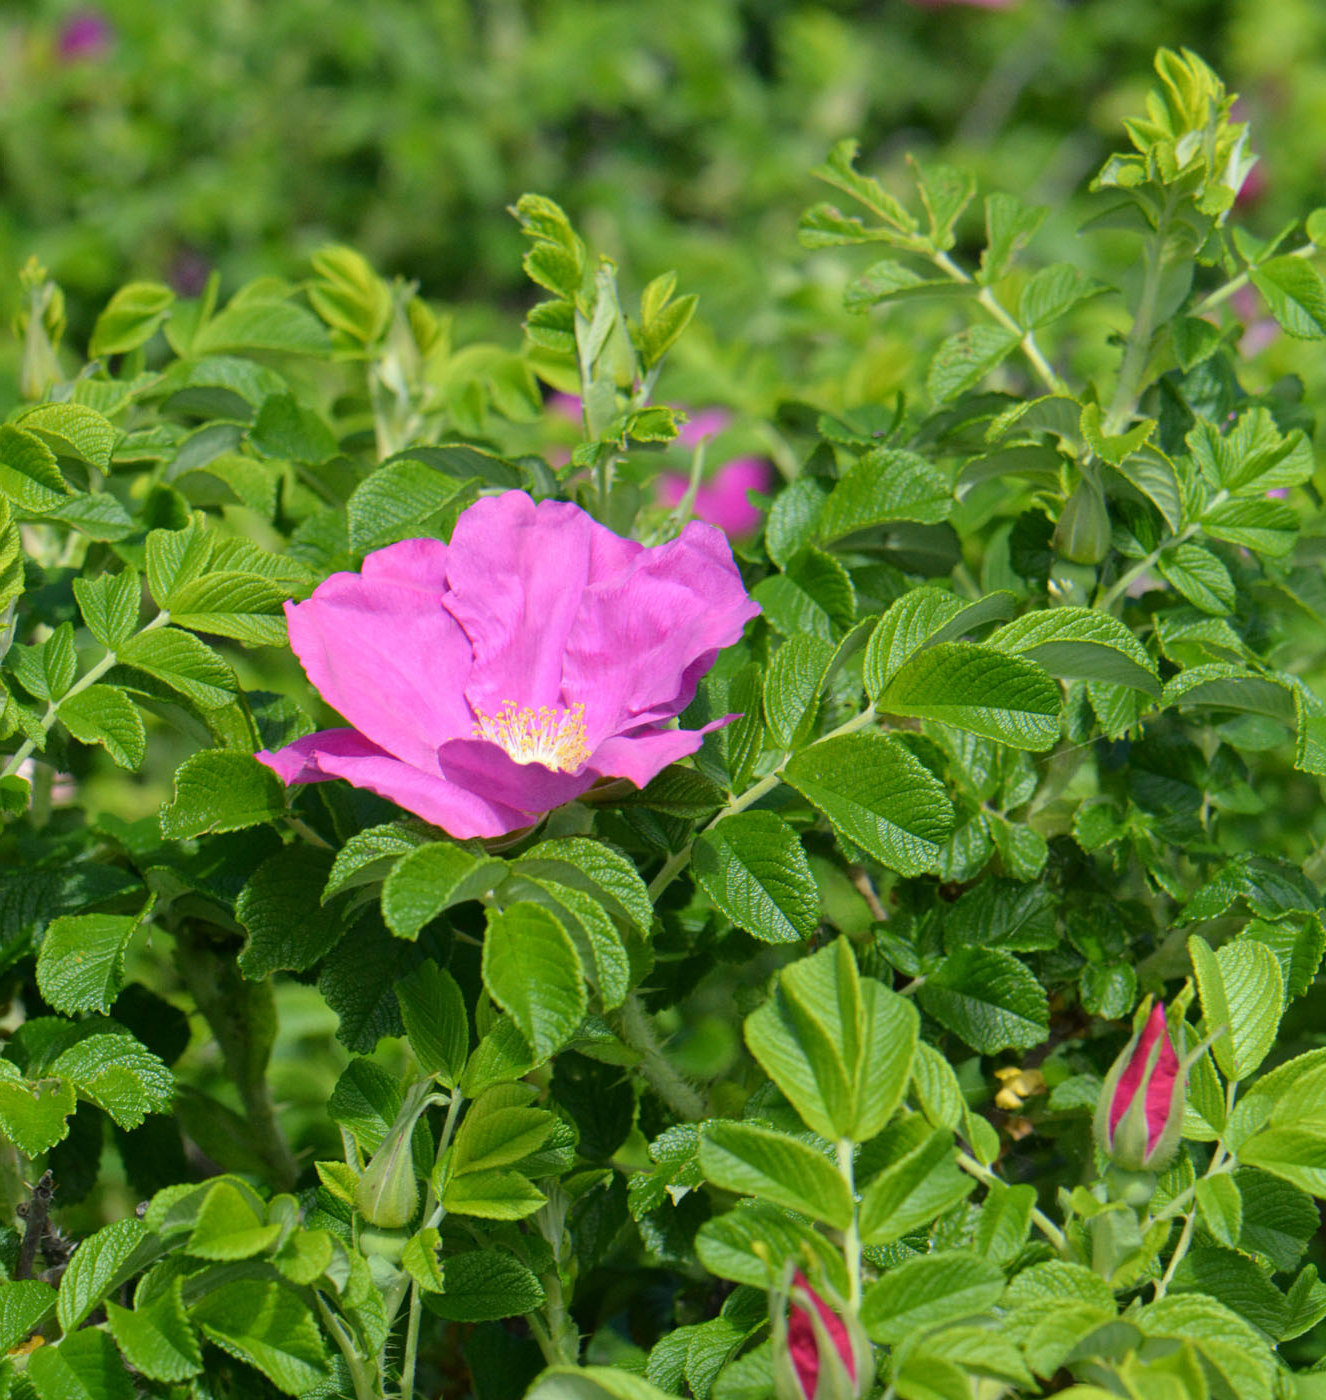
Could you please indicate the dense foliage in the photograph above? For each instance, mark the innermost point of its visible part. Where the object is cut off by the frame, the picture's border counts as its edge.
(302, 1095)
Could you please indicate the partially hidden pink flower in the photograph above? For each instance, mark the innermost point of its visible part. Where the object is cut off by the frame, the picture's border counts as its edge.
(723, 500)
(803, 1340)
(489, 680)
(84, 35)
(1141, 1104)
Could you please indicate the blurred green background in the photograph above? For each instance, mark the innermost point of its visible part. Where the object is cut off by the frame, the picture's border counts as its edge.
(148, 139)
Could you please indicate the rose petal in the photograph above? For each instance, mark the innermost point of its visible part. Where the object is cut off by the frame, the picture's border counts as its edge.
(344, 753)
(631, 658)
(530, 787)
(643, 755)
(517, 572)
(390, 659)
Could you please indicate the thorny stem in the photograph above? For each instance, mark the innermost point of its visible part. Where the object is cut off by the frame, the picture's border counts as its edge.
(672, 1087)
(1043, 1222)
(679, 860)
(36, 1215)
(363, 1384)
(1027, 338)
(93, 675)
(1138, 350)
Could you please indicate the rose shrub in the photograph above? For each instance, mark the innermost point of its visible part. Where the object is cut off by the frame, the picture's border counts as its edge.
(697, 964)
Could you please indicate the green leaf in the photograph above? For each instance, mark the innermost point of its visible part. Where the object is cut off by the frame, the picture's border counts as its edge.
(182, 662)
(232, 603)
(422, 1260)
(1242, 990)
(592, 1383)
(989, 998)
(485, 1285)
(285, 429)
(109, 604)
(33, 1114)
(922, 618)
(913, 1191)
(29, 475)
(1009, 226)
(1001, 1232)
(1266, 527)
(398, 501)
(1252, 456)
(753, 867)
(963, 360)
(104, 714)
(1080, 644)
(24, 1306)
(1297, 1155)
(73, 430)
(1002, 697)
(80, 966)
(876, 793)
(892, 281)
(1200, 577)
(725, 1245)
(261, 324)
(269, 1326)
(1221, 1205)
(368, 856)
(156, 1337)
(84, 1366)
(604, 960)
(1052, 292)
(1294, 291)
(102, 1262)
(598, 870)
(426, 881)
(493, 1195)
(887, 484)
(1226, 1343)
(774, 1167)
(117, 1073)
(131, 318)
(925, 1292)
(217, 790)
(281, 910)
(839, 1047)
(499, 1129)
(531, 970)
(436, 1022)
(814, 595)
(792, 683)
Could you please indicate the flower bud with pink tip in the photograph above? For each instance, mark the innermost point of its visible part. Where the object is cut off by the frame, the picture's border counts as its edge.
(1140, 1112)
(819, 1354)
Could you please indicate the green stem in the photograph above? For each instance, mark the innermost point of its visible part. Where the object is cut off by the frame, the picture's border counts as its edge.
(637, 1030)
(679, 860)
(1043, 1223)
(354, 1363)
(852, 1235)
(1128, 389)
(1026, 338)
(93, 675)
(433, 1212)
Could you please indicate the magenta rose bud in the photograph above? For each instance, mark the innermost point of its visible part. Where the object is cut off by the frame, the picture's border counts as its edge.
(815, 1356)
(1141, 1105)
(489, 680)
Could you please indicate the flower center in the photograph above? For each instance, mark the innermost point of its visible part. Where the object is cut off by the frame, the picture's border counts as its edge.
(555, 738)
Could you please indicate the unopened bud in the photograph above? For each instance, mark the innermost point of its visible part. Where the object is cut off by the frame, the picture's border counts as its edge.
(1141, 1106)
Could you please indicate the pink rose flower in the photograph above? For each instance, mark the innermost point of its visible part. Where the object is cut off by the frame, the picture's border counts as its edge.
(85, 35)
(1141, 1104)
(492, 679)
(724, 500)
(803, 1342)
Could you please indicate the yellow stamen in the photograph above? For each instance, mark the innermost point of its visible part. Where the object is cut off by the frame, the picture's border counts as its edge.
(555, 738)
